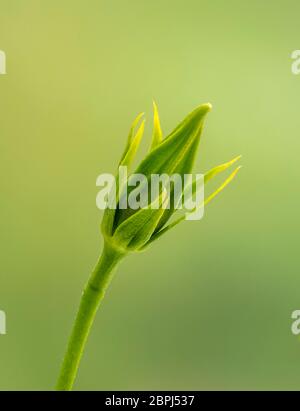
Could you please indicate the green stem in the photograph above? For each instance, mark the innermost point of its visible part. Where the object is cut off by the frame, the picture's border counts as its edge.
(90, 301)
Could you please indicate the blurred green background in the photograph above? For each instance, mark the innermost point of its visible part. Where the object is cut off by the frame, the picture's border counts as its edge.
(207, 307)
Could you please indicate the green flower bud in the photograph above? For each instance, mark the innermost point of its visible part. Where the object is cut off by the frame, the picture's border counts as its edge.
(133, 229)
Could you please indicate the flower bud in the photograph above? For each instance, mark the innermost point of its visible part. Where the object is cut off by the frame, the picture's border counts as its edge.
(128, 229)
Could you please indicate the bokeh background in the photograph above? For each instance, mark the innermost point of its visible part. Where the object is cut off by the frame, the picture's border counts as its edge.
(208, 306)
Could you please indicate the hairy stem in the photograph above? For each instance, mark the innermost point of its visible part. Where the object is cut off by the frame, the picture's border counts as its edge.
(90, 301)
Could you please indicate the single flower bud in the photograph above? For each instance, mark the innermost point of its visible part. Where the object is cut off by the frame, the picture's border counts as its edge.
(132, 229)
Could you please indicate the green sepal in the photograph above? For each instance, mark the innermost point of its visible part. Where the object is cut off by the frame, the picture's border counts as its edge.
(136, 230)
(157, 135)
